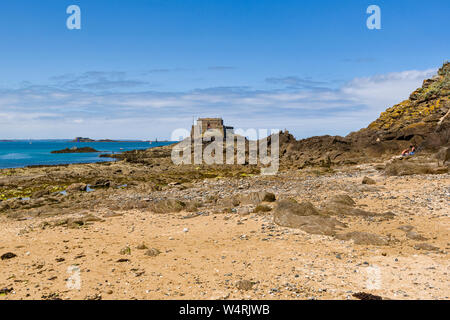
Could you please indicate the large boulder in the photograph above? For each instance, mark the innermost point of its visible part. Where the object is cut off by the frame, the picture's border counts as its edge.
(305, 217)
(289, 207)
(343, 199)
(344, 205)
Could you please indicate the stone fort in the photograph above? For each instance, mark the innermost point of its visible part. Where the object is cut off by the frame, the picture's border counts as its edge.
(210, 127)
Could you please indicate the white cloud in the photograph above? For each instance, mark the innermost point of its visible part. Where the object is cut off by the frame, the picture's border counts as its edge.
(59, 112)
(382, 91)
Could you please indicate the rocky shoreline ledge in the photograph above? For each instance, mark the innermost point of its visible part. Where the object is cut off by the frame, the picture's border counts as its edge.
(76, 150)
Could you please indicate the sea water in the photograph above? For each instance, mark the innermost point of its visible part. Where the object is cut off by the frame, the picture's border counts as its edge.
(22, 153)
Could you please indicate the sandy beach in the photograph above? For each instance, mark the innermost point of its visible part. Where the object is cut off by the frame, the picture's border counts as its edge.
(219, 252)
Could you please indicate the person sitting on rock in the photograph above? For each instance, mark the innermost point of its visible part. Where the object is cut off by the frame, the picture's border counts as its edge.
(405, 152)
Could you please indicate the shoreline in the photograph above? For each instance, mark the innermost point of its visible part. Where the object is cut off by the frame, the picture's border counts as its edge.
(99, 156)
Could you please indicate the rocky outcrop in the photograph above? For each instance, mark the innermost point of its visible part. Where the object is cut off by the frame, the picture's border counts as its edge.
(76, 150)
(304, 216)
(423, 120)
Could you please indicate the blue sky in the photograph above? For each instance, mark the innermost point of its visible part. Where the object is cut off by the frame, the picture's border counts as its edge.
(142, 68)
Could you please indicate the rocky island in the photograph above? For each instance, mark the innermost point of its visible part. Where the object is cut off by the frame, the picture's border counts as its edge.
(76, 150)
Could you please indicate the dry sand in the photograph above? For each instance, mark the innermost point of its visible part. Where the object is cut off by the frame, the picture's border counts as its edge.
(206, 256)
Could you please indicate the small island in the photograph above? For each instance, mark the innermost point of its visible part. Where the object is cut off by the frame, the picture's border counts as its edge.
(81, 139)
(76, 150)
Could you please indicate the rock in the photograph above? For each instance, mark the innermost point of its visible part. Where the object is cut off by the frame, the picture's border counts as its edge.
(367, 180)
(243, 211)
(443, 155)
(305, 217)
(244, 285)
(125, 250)
(75, 223)
(287, 207)
(142, 246)
(256, 198)
(415, 236)
(269, 197)
(406, 228)
(39, 194)
(366, 296)
(5, 291)
(192, 206)
(101, 183)
(262, 208)
(229, 202)
(52, 296)
(94, 297)
(425, 246)
(343, 205)
(77, 187)
(404, 168)
(364, 238)
(8, 255)
(167, 206)
(76, 150)
(110, 214)
(336, 209)
(343, 199)
(152, 252)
